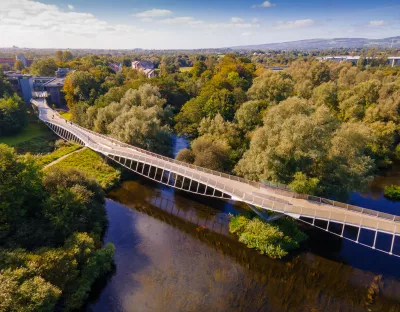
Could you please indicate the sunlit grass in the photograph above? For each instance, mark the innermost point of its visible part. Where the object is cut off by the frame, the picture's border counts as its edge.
(93, 165)
(185, 69)
(57, 154)
(66, 115)
(34, 128)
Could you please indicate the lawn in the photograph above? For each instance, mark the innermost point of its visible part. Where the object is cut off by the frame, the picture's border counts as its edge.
(185, 69)
(93, 166)
(58, 153)
(34, 128)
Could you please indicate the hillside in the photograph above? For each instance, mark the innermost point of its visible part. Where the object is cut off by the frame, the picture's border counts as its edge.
(321, 44)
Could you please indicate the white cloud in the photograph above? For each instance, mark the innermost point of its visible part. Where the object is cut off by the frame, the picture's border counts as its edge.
(265, 4)
(179, 20)
(237, 20)
(376, 23)
(295, 24)
(255, 20)
(146, 19)
(70, 6)
(27, 21)
(245, 34)
(154, 13)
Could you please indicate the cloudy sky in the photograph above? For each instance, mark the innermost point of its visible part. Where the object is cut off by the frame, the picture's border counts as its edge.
(178, 24)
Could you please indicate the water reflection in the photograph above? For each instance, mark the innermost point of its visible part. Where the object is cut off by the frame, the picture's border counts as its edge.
(170, 258)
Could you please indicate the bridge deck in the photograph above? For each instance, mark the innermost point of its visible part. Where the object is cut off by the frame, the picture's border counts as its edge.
(265, 197)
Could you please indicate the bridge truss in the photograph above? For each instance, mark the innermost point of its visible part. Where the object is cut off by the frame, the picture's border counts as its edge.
(366, 227)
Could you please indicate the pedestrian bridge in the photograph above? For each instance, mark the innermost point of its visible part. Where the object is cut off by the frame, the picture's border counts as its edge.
(377, 230)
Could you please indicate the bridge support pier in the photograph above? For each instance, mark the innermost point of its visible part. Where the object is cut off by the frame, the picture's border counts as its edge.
(275, 216)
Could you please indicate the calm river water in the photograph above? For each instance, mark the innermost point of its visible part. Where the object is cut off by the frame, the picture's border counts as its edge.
(174, 253)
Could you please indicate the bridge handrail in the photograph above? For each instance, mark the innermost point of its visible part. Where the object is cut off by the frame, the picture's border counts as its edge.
(317, 199)
(255, 199)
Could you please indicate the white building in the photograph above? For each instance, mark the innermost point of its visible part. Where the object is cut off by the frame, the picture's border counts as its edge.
(146, 67)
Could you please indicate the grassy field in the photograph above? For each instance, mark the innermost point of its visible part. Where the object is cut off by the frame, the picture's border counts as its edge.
(33, 129)
(185, 69)
(94, 166)
(58, 153)
(66, 115)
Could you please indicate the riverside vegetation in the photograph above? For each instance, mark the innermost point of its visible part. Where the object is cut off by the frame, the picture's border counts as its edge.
(51, 228)
(272, 239)
(321, 128)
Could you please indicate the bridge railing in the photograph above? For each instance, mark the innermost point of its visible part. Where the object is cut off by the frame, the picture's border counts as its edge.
(276, 189)
(381, 221)
(255, 200)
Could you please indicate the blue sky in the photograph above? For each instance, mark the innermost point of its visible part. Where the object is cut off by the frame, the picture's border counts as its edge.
(189, 24)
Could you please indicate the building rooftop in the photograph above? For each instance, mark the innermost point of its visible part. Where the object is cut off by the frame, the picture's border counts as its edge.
(16, 74)
(56, 82)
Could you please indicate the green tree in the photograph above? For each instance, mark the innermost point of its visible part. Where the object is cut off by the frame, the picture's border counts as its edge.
(207, 153)
(248, 116)
(80, 86)
(59, 56)
(44, 67)
(21, 191)
(271, 87)
(12, 115)
(67, 56)
(19, 65)
(5, 86)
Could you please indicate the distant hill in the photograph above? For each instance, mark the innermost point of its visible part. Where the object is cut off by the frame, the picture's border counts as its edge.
(322, 44)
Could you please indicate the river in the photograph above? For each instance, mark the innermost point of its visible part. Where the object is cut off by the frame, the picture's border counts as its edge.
(174, 253)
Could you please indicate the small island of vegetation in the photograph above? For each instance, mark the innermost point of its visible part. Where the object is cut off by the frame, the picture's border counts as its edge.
(273, 239)
(392, 192)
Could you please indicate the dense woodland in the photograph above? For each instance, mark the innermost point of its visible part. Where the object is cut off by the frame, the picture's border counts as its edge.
(51, 225)
(321, 128)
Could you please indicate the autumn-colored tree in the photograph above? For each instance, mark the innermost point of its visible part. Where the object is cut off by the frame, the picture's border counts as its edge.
(19, 65)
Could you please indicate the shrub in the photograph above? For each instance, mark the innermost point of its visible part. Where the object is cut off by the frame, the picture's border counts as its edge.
(392, 192)
(274, 240)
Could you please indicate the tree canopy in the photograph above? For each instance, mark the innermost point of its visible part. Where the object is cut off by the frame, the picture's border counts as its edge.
(50, 230)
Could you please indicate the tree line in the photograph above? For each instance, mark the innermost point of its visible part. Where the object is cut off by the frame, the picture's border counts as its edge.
(322, 128)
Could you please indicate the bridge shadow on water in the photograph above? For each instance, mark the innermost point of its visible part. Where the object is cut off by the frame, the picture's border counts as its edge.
(312, 277)
(320, 243)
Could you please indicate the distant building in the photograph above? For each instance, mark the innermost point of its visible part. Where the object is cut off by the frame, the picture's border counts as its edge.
(117, 67)
(277, 68)
(25, 85)
(339, 59)
(7, 60)
(22, 58)
(11, 61)
(62, 72)
(150, 73)
(146, 67)
(394, 61)
(54, 89)
(21, 83)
